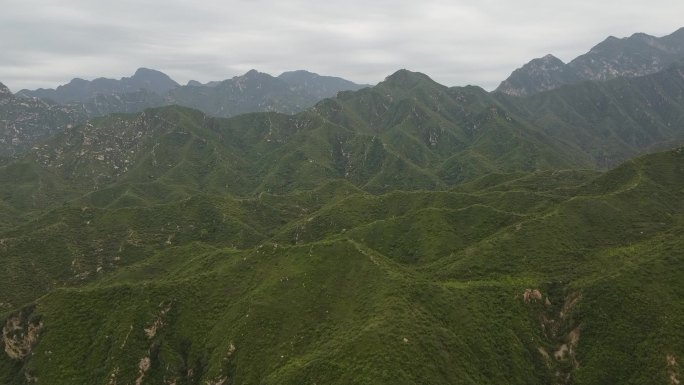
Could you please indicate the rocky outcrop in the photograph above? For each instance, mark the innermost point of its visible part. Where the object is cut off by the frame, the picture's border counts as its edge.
(561, 332)
(24, 122)
(637, 55)
(538, 75)
(21, 333)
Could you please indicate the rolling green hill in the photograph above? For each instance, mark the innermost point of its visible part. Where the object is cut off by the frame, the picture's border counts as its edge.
(422, 287)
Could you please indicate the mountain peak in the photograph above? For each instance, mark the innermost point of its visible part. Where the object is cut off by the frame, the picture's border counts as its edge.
(146, 72)
(4, 91)
(252, 73)
(551, 59)
(151, 80)
(407, 78)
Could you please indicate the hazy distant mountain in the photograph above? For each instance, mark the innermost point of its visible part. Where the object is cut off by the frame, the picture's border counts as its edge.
(252, 92)
(129, 102)
(195, 83)
(31, 115)
(82, 91)
(317, 86)
(255, 91)
(25, 121)
(637, 55)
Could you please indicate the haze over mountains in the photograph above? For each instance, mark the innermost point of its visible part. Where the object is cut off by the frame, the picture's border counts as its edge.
(637, 55)
(283, 230)
(37, 114)
(254, 91)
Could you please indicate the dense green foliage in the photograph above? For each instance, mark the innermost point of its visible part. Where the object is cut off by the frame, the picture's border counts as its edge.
(407, 233)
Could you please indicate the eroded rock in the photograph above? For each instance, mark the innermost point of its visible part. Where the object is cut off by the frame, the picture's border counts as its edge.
(21, 332)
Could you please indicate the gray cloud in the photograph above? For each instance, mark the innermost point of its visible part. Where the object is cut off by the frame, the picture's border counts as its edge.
(46, 43)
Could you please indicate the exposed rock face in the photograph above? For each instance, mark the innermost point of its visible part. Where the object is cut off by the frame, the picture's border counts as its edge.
(561, 332)
(23, 122)
(20, 334)
(539, 75)
(672, 369)
(637, 55)
(531, 295)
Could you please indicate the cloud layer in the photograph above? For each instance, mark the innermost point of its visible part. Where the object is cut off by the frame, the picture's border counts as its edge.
(46, 43)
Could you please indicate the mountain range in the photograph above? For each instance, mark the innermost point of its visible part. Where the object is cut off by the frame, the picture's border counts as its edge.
(407, 233)
(23, 122)
(637, 55)
(252, 92)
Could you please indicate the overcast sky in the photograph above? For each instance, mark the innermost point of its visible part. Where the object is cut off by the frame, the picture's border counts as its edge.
(44, 43)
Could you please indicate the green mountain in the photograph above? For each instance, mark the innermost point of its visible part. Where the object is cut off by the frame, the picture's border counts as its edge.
(539, 278)
(610, 121)
(406, 233)
(637, 55)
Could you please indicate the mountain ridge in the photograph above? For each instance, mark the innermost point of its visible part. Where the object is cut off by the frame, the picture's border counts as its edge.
(637, 55)
(288, 93)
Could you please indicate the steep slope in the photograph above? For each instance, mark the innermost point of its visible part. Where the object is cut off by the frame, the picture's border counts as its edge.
(454, 134)
(604, 247)
(637, 55)
(538, 75)
(610, 121)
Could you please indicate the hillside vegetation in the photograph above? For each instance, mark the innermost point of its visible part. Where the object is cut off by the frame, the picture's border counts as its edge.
(407, 233)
